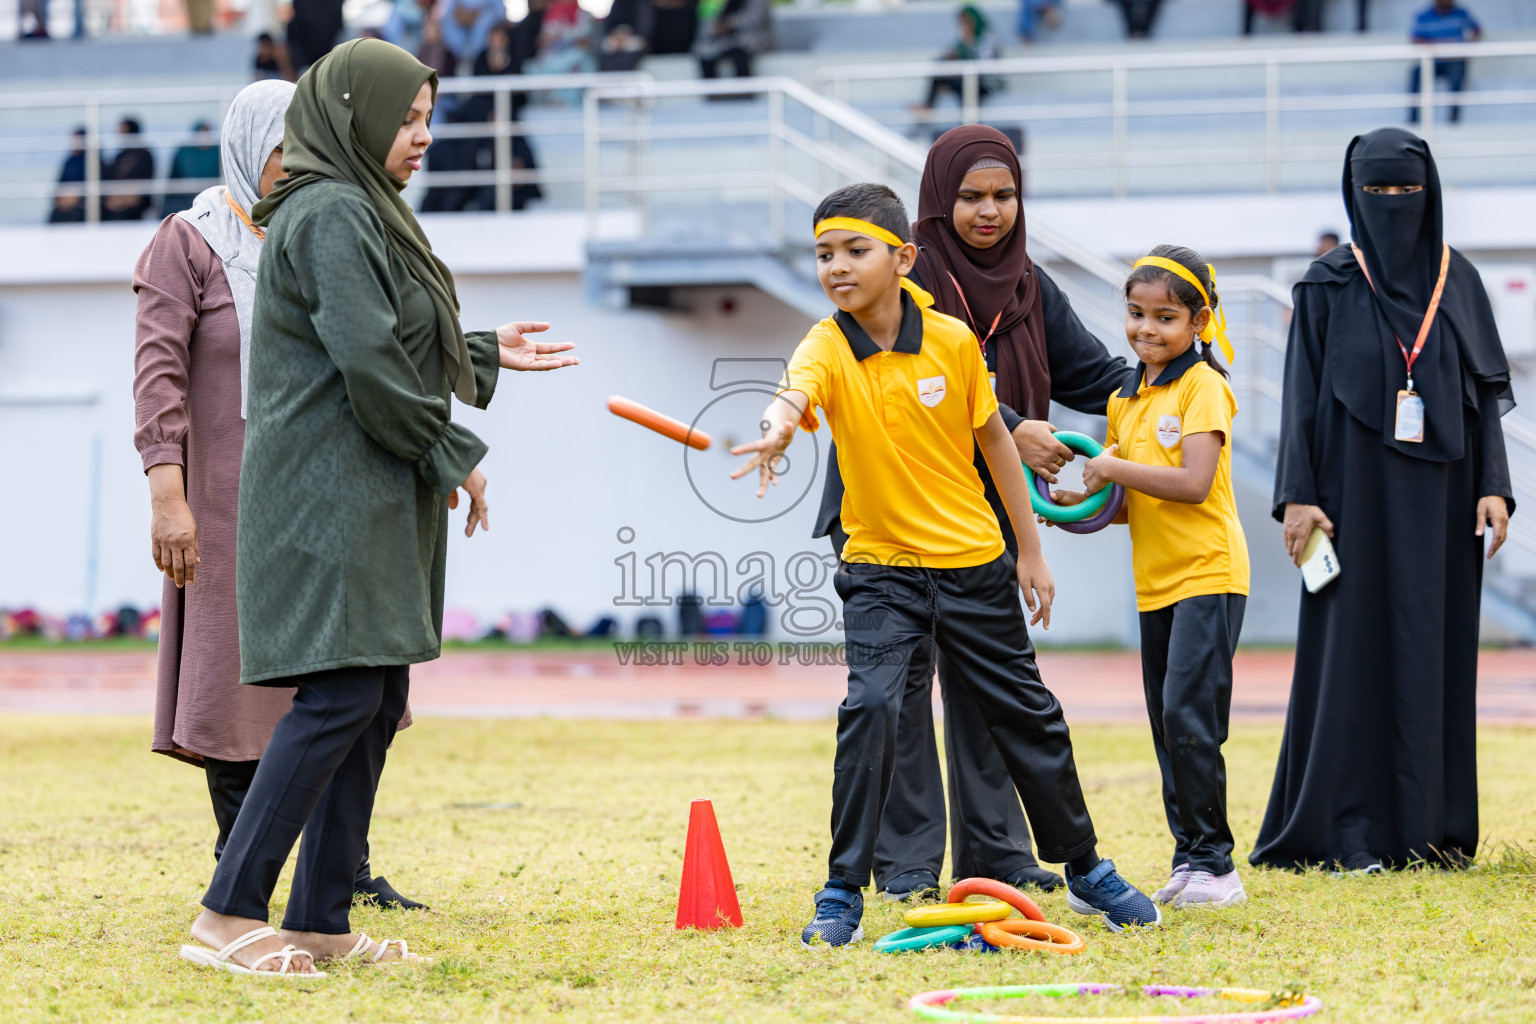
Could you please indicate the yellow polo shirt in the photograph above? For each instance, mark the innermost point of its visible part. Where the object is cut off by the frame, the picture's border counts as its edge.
(1180, 550)
(904, 424)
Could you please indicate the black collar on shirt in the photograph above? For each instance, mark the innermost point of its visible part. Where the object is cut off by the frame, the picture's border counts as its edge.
(1172, 372)
(909, 337)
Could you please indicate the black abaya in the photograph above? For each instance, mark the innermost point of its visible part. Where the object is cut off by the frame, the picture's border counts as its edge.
(1379, 759)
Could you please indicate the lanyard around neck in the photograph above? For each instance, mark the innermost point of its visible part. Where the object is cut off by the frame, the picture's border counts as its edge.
(245, 218)
(967, 307)
(1429, 315)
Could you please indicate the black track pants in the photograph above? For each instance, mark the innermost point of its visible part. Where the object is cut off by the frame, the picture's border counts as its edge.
(974, 618)
(988, 831)
(1186, 670)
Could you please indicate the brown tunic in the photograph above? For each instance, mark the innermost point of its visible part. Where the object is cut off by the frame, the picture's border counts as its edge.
(186, 391)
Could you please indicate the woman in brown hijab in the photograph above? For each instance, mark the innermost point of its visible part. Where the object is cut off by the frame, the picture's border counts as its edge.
(972, 258)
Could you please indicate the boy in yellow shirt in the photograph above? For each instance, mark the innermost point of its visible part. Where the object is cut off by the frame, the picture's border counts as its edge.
(907, 395)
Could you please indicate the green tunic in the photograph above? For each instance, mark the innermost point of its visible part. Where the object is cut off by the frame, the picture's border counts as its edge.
(349, 448)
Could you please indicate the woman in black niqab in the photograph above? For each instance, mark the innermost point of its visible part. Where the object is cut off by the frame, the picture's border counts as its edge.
(1378, 765)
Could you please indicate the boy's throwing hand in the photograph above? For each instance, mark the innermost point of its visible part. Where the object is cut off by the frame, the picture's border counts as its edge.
(765, 454)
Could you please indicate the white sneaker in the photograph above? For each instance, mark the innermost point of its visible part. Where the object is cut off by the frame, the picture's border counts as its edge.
(1207, 890)
(1175, 885)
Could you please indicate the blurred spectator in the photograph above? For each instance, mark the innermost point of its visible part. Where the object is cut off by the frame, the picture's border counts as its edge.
(466, 25)
(1326, 243)
(976, 42)
(525, 34)
(132, 163)
(1139, 15)
(434, 53)
(197, 160)
(272, 60)
(498, 59)
(446, 154)
(1033, 14)
(478, 153)
(626, 32)
(1360, 12)
(405, 21)
(733, 30)
(69, 202)
(1266, 8)
(674, 26)
(313, 30)
(565, 43)
(1307, 16)
(1443, 22)
(199, 17)
(32, 19)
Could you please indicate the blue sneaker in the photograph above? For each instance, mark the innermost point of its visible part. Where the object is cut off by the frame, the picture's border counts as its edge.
(838, 913)
(1103, 893)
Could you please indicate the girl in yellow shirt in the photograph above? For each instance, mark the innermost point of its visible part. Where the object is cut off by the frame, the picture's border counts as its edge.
(1167, 446)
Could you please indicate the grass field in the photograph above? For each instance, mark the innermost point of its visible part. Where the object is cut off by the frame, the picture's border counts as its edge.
(551, 851)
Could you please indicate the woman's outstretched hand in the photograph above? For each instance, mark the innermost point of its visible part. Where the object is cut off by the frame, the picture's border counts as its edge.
(1300, 521)
(1493, 513)
(479, 511)
(521, 353)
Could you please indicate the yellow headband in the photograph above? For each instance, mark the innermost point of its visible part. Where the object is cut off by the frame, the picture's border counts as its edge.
(878, 233)
(1216, 326)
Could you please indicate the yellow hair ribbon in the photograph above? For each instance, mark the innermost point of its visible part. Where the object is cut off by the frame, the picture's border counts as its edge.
(875, 231)
(1216, 326)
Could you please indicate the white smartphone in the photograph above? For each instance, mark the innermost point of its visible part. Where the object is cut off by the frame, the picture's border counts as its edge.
(1319, 563)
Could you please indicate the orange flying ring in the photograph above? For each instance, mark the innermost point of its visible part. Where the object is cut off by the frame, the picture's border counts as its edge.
(1042, 937)
(998, 891)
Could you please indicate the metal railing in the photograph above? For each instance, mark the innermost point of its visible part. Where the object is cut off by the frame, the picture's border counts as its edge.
(793, 149)
(1120, 90)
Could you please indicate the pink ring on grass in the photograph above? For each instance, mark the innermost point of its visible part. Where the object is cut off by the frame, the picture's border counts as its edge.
(934, 1005)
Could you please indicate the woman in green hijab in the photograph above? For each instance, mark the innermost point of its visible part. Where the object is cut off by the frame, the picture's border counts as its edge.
(351, 463)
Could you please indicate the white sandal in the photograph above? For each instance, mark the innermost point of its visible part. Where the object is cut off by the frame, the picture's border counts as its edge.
(220, 961)
(363, 950)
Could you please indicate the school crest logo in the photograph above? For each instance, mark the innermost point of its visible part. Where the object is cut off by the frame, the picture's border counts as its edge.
(930, 390)
(1168, 431)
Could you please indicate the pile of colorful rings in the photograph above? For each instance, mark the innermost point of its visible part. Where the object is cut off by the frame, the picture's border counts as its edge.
(984, 924)
(1276, 1006)
(1092, 515)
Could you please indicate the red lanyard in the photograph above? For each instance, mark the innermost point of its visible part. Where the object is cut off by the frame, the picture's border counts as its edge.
(1429, 316)
(976, 330)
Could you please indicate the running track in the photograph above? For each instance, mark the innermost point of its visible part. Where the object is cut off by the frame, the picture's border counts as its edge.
(1091, 686)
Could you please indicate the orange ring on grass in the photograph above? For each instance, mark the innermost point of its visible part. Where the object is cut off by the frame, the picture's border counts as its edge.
(998, 891)
(1046, 938)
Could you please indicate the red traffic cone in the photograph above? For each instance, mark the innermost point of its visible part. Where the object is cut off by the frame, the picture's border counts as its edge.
(708, 896)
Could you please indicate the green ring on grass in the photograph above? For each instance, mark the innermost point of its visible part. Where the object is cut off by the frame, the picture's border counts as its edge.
(922, 938)
(1083, 445)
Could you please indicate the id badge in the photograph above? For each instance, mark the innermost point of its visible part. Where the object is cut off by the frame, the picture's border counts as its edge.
(993, 378)
(1410, 417)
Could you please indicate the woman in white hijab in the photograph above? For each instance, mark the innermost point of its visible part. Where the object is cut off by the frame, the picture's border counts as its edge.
(196, 285)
